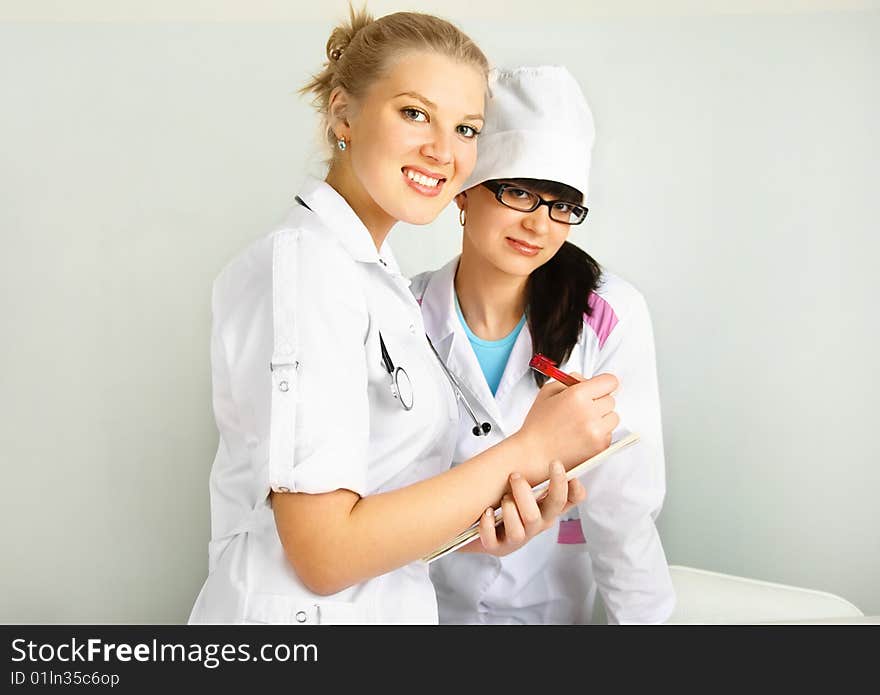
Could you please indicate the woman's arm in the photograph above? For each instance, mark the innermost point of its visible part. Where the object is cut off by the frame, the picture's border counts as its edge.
(337, 539)
(626, 495)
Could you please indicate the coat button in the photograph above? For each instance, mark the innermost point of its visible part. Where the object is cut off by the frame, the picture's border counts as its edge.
(301, 617)
(283, 386)
(412, 328)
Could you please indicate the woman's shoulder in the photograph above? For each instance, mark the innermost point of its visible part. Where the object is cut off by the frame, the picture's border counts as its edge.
(616, 290)
(297, 243)
(433, 285)
(614, 300)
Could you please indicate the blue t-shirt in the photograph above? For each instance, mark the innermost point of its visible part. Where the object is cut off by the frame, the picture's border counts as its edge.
(491, 354)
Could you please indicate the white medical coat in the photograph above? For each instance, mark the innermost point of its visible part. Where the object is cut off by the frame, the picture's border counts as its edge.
(311, 298)
(610, 542)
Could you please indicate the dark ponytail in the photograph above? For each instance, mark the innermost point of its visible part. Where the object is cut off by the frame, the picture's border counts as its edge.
(558, 292)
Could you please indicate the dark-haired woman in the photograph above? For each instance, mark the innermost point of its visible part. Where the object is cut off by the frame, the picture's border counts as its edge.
(337, 423)
(519, 288)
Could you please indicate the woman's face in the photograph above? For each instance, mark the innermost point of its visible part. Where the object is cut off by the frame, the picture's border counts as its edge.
(413, 135)
(514, 242)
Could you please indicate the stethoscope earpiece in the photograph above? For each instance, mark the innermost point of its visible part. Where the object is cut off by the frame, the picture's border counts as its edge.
(480, 430)
(401, 386)
(405, 395)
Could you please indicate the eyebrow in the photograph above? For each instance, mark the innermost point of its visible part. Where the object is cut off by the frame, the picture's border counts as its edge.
(430, 104)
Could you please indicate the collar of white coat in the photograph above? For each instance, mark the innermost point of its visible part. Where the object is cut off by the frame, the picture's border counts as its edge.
(341, 221)
(448, 336)
(438, 306)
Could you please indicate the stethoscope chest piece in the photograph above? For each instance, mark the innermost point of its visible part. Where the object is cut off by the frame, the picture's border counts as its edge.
(401, 388)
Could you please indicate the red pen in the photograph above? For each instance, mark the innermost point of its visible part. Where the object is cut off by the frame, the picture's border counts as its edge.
(547, 367)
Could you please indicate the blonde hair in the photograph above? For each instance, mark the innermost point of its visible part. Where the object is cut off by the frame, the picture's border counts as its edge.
(361, 50)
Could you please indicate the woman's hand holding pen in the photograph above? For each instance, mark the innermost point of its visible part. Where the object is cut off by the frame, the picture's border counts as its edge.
(569, 423)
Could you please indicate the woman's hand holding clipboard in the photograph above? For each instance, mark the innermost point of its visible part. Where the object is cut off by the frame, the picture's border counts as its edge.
(547, 367)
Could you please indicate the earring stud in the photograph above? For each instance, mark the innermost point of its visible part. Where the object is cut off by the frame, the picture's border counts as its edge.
(341, 144)
(461, 217)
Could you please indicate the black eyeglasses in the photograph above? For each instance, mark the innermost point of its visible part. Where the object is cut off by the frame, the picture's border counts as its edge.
(524, 200)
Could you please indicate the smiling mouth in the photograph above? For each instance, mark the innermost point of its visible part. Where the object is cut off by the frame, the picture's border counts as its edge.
(523, 244)
(423, 179)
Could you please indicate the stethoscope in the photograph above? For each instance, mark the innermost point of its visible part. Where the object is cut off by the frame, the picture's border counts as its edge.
(401, 386)
(402, 390)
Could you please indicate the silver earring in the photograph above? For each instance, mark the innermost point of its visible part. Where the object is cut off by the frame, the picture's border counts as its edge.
(341, 144)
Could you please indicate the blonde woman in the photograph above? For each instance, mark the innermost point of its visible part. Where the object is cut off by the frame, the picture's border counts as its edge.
(337, 424)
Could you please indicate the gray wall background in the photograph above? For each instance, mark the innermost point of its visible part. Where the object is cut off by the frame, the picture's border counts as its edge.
(734, 182)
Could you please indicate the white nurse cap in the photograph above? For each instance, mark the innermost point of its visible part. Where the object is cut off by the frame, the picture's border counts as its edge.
(538, 126)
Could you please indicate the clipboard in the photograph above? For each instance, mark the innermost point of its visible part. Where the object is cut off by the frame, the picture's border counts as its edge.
(473, 531)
